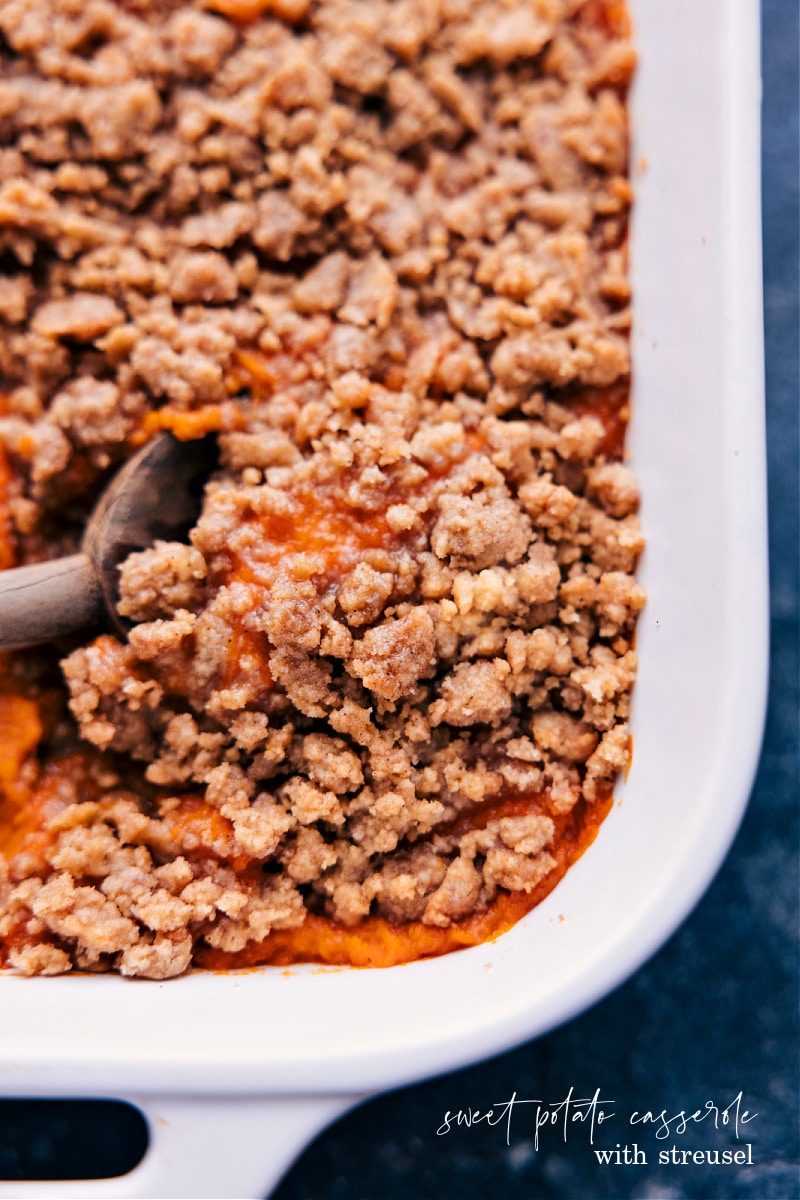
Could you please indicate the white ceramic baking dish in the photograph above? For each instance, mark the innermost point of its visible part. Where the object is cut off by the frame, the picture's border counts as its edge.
(236, 1072)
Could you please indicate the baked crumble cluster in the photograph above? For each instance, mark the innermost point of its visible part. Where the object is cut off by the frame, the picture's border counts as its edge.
(379, 247)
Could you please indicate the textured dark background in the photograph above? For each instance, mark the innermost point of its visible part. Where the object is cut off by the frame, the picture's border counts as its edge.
(714, 1013)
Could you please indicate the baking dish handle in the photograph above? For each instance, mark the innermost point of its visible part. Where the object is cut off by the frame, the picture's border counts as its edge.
(224, 1147)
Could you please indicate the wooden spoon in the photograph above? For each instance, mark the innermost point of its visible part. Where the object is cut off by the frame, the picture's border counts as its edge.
(156, 494)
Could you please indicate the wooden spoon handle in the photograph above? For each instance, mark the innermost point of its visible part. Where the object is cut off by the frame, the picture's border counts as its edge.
(48, 600)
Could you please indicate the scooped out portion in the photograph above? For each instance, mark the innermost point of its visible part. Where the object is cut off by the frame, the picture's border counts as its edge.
(375, 707)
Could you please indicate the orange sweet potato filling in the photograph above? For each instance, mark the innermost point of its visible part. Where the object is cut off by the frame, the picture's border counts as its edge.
(611, 407)
(42, 771)
(243, 12)
(20, 732)
(609, 15)
(194, 826)
(376, 942)
(30, 794)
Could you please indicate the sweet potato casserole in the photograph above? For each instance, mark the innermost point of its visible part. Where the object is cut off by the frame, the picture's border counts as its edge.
(375, 707)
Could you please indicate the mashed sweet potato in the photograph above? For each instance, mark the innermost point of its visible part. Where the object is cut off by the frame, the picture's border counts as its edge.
(374, 708)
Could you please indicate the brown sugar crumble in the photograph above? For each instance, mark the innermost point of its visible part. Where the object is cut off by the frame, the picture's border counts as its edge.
(376, 707)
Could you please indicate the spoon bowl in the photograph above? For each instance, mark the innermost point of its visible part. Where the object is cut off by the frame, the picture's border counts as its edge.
(157, 494)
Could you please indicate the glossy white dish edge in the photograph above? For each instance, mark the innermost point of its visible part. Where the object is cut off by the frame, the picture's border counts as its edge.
(327, 1037)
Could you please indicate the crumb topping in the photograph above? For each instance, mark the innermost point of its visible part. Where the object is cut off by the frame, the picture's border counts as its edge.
(379, 248)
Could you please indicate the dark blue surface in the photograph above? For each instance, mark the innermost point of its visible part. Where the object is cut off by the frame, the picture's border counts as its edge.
(715, 1012)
